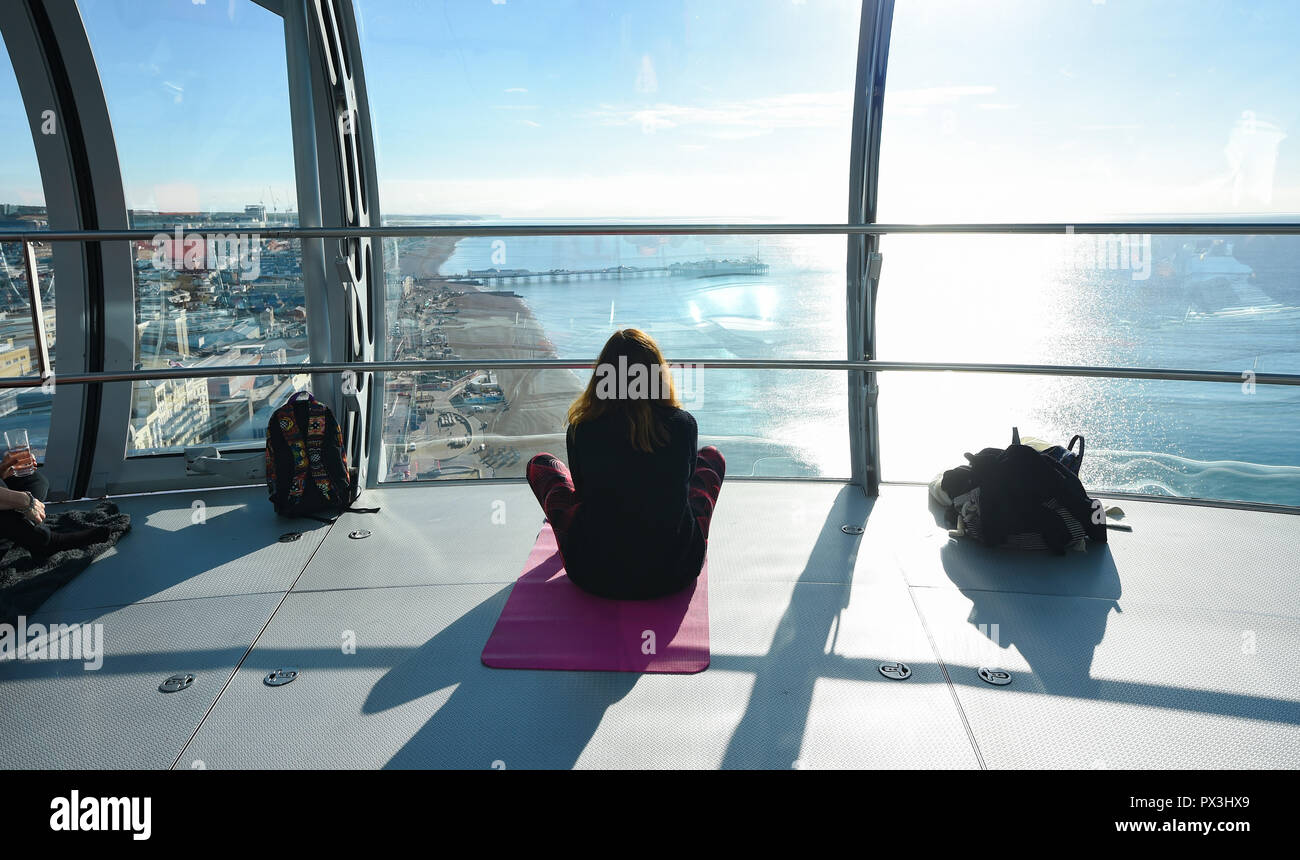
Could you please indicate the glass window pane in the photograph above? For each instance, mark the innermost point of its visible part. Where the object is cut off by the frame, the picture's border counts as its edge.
(1198, 302)
(1189, 439)
(700, 297)
(22, 207)
(1224, 303)
(586, 111)
(1026, 110)
(199, 98)
(703, 109)
(488, 425)
(207, 146)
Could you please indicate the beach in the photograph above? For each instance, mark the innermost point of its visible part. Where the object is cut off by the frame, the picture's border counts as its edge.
(437, 317)
(499, 326)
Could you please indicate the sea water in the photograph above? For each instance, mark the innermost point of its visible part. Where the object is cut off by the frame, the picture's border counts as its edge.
(1023, 300)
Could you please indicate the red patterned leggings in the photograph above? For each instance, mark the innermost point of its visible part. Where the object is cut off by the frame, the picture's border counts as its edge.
(553, 486)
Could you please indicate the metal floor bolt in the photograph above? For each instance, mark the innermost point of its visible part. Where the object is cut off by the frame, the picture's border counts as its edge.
(280, 677)
(996, 677)
(175, 683)
(897, 671)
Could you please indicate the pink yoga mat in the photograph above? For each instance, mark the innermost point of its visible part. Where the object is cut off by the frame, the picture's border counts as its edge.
(550, 623)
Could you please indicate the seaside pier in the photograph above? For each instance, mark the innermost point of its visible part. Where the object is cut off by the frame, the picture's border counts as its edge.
(698, 269)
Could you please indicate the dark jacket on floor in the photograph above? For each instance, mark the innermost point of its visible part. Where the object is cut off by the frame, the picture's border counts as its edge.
(634, 535)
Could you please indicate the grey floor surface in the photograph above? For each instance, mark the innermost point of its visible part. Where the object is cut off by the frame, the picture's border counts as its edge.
(1177, 645)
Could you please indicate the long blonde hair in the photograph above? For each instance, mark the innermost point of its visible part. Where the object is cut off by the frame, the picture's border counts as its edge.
(631, 356)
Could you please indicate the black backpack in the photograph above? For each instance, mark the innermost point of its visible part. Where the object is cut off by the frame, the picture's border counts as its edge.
(1067, 456)
(1025, 498)
(306, 465)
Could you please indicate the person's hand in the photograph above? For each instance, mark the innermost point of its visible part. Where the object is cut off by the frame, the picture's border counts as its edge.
(36, 513)
(13, 461)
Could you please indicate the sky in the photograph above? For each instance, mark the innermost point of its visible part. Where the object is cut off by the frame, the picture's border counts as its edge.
(720, 109)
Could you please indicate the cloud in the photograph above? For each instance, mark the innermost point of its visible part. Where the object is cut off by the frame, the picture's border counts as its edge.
(695, 194)
(924, 97)
(919, 101)
(516, 89)
(650, 121)
(529, 122)
(646, 81)
(733, 120)
(176, 197)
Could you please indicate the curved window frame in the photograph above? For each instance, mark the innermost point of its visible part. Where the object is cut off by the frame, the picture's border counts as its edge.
(50, 65)
(84, 191)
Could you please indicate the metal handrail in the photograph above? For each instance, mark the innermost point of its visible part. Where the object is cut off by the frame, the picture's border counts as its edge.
(163, 374)
(37, 310)
(29, 238)
(1191, 228)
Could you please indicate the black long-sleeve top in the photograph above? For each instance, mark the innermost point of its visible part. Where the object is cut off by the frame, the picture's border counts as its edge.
(634, 535)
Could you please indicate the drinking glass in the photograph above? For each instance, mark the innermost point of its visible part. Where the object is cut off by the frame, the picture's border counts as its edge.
(17, 443)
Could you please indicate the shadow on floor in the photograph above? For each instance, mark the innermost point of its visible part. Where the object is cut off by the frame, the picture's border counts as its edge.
(486, 720)
(770, 733)
(1056, 634)
(236, 549)
(1057, 630)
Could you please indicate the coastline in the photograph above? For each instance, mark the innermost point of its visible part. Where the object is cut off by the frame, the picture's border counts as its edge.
(484, 325)
(494, 326)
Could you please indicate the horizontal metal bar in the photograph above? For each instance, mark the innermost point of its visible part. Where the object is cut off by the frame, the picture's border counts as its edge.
(1234, 504)
(1089, 371)
(1192, 228)
(161, 374)
(1265, 507)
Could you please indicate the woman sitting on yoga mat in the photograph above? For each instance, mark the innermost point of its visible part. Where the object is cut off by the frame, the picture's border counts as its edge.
(22, 511)
(632, 520)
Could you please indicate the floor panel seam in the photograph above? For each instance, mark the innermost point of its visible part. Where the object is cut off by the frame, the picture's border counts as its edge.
(69, 610)
(952, 688)
(252, 645)
(341, 588)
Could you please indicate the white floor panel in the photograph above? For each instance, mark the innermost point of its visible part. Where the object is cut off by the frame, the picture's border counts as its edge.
(1147, 687)
(59, 714)
(416, 695)
(819, 698)
(1182, 555)
(188, 545)
(767, 532)
(483, 534)
(415, 649)
(430, 536)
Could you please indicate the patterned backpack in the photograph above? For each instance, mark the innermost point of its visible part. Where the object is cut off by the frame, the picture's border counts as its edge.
(306, 465)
